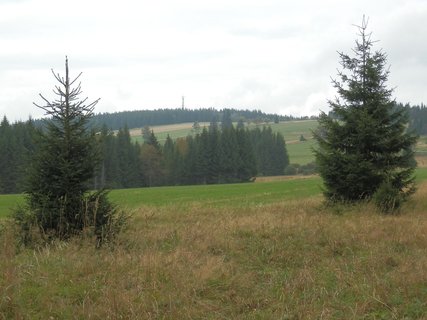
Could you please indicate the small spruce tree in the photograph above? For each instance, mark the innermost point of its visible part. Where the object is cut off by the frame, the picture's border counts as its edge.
(363, 144)
(58, 198)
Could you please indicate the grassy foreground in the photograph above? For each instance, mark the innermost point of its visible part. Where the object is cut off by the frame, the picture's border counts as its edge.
(276, 259)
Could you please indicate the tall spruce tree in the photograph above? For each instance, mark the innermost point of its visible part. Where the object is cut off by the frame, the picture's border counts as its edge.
(364, 149)
(228, 155)
(62, 170)
(213, 152)
(246, 166)
(169, 155)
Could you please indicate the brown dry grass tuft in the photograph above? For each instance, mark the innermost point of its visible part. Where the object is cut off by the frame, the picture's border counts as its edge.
(287, 260)
(421, 161)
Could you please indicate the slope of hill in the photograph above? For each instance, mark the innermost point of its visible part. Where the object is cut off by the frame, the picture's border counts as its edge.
(141, 118)
(299, 151)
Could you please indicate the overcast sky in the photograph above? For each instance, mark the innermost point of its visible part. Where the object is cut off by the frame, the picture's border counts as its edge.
(274, 55)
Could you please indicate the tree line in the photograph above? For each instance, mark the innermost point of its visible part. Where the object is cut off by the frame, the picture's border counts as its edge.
(128, 164)
(417, 118)
(17, 143)
(141, 118)
(219, 153)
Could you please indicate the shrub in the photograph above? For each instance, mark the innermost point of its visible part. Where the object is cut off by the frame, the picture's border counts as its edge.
(388, 198)
(96, 215)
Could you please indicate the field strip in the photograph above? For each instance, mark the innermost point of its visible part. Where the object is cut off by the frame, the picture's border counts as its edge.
(167, 128)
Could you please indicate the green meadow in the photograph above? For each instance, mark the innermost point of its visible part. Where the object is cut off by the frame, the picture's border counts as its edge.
(301, 152)
(226, 195)
(292, 130)
(161, 136)
(9, 201)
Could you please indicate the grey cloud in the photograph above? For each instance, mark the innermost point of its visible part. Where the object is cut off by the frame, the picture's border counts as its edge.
(235, 55)
(37, 61)
(405, 38)
(266, 33)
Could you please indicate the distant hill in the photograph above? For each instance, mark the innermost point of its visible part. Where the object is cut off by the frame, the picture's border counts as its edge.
(141, 118)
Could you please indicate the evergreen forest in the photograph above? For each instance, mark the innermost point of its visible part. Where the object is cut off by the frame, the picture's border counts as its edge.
(141, 118)
(219, 153)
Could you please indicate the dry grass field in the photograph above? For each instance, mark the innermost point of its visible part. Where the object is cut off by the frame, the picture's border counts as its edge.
(293, 259)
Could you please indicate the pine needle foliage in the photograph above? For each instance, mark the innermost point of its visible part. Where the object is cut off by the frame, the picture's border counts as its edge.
(59, 202)
(363, 143)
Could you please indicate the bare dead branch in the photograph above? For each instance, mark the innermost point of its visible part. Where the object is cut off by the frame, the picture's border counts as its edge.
(75, 79)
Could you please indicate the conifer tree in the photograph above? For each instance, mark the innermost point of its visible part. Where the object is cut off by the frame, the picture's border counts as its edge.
(363, 146)
(246, 166)
(279, 155)
(169, 160)
(58, 197)
(213, 152)
(108, 172)
(205, 154)
(152, 140)
(226, 121)
(146, 133)
(8, 155)
(228, 155)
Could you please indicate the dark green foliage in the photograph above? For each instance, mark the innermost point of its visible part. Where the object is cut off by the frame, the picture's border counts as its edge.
(141, 118)
(228, 155)
(363, 142)
(107, 175)
(218, 156)
(212, 150)
(146, 132)
(15, 147)
(240, 124)
(169, 161)
(279, 155)
(246, 165)
(226, 122)
(270, 151)
(62, 168)
(128, 158)
(8, 155)
(196, 127)
(417, 118)
(106, 219)
(152, 161)
(152, 141)
(99, 218)
(387, 197)
(19, 137)
(212, 156)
